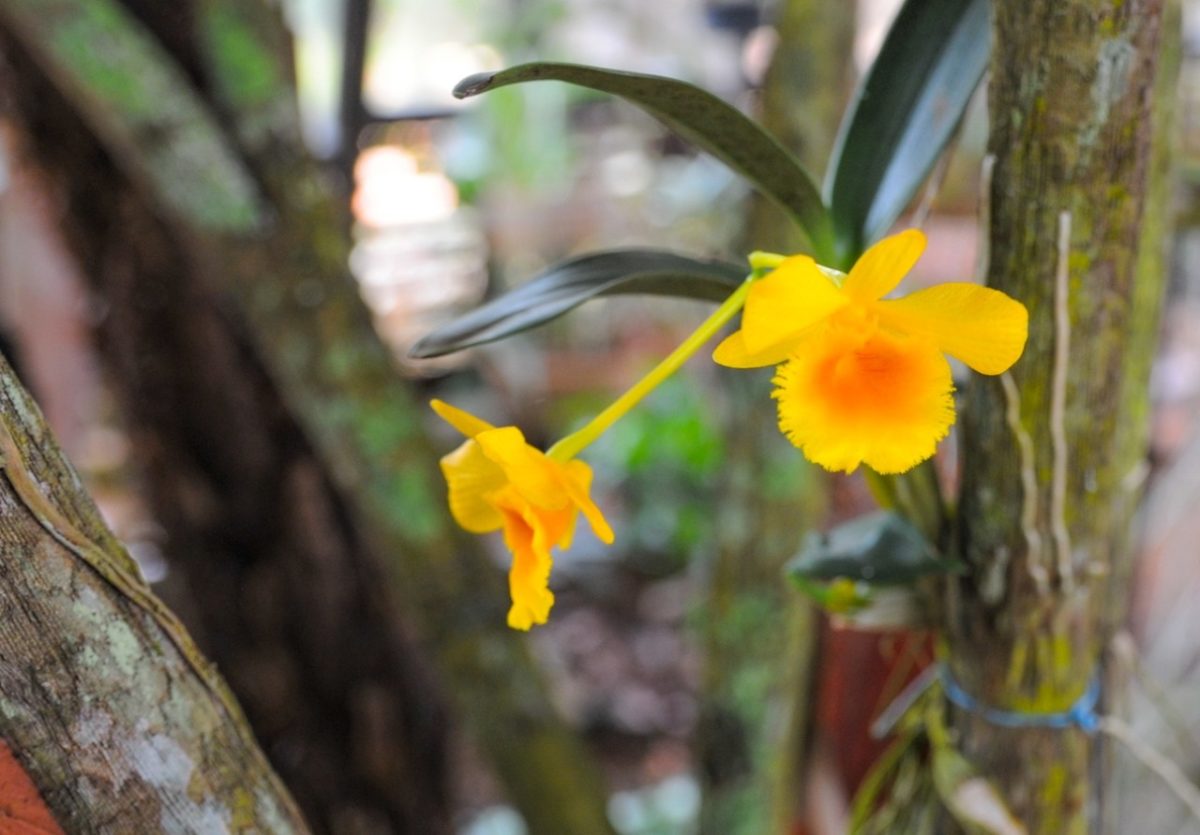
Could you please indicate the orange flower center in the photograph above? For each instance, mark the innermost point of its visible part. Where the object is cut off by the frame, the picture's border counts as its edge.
(853, 393)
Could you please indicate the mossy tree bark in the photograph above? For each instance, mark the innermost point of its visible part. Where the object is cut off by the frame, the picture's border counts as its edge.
(1053, 451)
(106, 702)
(270, 402)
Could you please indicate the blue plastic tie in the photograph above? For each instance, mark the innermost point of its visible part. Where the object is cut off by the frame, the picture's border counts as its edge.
(1082, 714)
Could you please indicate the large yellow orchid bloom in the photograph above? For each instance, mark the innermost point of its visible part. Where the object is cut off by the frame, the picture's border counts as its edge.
(861, 378)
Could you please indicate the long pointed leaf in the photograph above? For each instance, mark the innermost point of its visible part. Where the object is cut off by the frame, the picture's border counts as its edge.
(903, 115)
(569, 284)
(700, 117)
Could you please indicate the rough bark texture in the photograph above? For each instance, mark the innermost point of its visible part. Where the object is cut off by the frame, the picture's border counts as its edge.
(312, 372)
(101, 702)
(1070, 100)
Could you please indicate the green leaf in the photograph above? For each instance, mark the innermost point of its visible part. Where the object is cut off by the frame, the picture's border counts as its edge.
(903, 115)
(701, 118)
(569, 284)
(881, 549)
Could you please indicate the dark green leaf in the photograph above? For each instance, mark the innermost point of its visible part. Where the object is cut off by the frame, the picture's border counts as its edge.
(569, 284)
(903, 115)
(700, 117)
(881, 549)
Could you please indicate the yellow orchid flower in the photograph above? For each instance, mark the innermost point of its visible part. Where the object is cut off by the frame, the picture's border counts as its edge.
(863, 379)
(497, 482)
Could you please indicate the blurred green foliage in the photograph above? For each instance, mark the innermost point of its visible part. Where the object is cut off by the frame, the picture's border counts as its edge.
(666, 454)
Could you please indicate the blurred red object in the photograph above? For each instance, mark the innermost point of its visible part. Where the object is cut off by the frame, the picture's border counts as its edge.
(22, 811)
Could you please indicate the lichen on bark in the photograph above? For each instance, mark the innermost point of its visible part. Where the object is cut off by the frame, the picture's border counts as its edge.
(101, 703)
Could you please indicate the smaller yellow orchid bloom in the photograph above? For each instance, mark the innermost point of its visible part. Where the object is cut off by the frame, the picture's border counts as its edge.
(863, 379)
(497, 482)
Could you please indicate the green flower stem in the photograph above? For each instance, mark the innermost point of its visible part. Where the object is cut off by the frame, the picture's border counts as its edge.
(573, 444)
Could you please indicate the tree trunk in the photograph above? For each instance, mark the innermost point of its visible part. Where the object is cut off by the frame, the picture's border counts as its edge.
(107, 703)
(1049, 465)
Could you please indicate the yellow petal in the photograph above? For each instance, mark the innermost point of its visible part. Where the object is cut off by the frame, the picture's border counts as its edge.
(980, 326)
(883, 266)
(529, 576)
(732, 353)
(464, 422)
(877, 398)
(529, 534)
(787, 302)
(526, 468)
(472, 477)
(578, 482)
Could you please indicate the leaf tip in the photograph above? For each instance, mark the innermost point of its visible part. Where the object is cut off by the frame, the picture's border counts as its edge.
(473, 85)
(422, 349)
